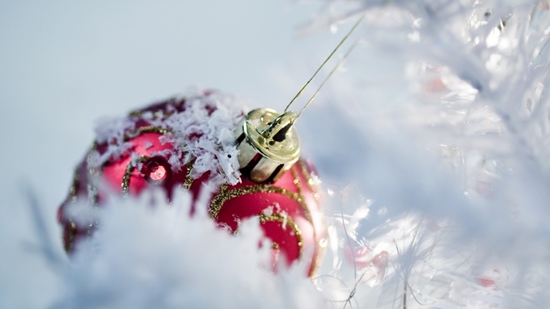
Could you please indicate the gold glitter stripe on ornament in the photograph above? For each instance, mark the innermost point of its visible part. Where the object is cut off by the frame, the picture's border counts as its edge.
(286, 221)
(218, 200)
(69, 246)
(225, 195)
(128, 174)
(136, 113)
(188, 179)
(146, 129)
(310, 181)
(298, 184)
(73, 191)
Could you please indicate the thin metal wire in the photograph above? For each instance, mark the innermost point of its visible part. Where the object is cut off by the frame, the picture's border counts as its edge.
(326, 60)
(348, 52)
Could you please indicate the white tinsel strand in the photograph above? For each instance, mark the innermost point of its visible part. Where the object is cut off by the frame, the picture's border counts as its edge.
(473, 237)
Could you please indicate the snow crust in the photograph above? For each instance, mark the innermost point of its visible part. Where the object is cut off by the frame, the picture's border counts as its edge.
(201, 126)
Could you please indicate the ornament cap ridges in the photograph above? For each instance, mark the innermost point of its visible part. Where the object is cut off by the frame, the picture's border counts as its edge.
(268, 144)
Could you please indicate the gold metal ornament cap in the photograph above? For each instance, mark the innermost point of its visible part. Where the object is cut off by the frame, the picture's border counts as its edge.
(268, 144)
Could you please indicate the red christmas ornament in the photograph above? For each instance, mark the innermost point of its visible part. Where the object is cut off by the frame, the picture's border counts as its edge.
(184, 142)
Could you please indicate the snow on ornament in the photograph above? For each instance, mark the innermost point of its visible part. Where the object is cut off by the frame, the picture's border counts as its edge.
(250, 163)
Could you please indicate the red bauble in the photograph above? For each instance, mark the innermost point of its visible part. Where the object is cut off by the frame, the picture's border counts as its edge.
(170, 145)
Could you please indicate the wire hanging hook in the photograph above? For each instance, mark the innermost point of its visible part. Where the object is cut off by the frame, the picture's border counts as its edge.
(344, 39)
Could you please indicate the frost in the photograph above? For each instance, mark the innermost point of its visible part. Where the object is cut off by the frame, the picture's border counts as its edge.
(213, 118)
(202, 132)
(452, 155)
(161, 257)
